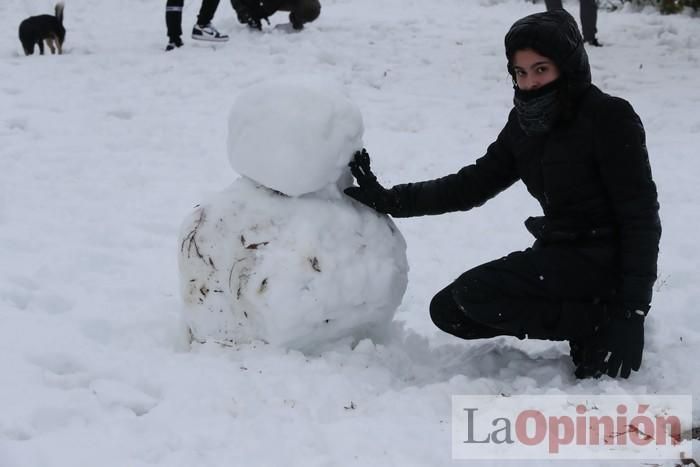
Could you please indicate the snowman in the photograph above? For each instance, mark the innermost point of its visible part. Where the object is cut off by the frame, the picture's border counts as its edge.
(282, 255)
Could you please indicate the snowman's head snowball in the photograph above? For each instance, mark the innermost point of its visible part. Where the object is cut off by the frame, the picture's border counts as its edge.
(294, 135)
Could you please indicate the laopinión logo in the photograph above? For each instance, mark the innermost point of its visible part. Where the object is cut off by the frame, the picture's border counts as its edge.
(576, 426)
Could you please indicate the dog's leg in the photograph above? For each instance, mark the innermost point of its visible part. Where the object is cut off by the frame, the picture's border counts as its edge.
(41, 47)
(50, 42)
(28, 49)
(59, 46)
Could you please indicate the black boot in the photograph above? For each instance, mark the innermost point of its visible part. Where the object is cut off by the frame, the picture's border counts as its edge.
(588, 359)
(296, 24)
(594, 42)
(175, 42)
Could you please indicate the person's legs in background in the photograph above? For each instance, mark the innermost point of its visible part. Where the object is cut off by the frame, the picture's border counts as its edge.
(204, 30)
(173, 21)
(589, 19)
(206, 12)
(553, 4)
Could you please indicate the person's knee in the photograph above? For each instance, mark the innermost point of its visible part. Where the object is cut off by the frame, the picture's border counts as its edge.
(447, 316)
(457, 300)
(472, 288)
(469, 298)
(451, 318)
(441, 307)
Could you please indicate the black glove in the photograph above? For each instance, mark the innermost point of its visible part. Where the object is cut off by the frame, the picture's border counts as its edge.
(370, 192)
(625, 342)
(616, 348)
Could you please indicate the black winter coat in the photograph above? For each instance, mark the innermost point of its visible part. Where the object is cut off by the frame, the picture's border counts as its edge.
(589, 175)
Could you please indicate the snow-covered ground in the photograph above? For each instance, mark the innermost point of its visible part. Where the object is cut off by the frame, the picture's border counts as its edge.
(103, 151)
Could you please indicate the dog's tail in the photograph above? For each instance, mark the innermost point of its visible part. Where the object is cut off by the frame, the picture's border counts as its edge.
(59, 11)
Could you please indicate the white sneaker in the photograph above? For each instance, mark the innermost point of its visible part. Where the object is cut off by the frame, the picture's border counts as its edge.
(208, 33)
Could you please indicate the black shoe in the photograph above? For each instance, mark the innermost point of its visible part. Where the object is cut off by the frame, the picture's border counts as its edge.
(576, 352)
(254, 23)
(173, 44)
(296, 24)
(594, 42)
(208, 33)
(588, 358)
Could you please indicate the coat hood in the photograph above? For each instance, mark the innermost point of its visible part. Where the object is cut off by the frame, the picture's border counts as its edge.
(555, 35)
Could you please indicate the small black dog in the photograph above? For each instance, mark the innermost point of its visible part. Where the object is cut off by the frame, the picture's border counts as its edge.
(37, 29)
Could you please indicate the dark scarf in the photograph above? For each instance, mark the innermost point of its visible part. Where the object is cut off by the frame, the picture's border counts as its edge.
(539, 110)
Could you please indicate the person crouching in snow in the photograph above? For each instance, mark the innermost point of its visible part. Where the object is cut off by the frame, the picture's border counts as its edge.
(581, 153)
(253, 12)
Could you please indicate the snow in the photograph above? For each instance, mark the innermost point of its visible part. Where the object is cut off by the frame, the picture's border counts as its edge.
(295, 135)
(300, 273)
(106, 149)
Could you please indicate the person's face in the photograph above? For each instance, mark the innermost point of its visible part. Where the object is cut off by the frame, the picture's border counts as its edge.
(532, 70)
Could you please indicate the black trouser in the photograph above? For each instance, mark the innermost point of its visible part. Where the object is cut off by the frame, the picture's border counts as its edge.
(173, 15)
(300, 11)
(555, 292)
(589, 16)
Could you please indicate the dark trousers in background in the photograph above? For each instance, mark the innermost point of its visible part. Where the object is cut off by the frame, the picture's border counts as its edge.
(300, 11)
(173, 15)
(554, 292)
(589, 16)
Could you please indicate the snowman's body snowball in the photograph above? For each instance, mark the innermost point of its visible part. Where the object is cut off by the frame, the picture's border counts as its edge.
(296, 272)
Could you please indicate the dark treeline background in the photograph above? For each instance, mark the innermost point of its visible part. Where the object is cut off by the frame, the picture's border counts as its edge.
(665, 6)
